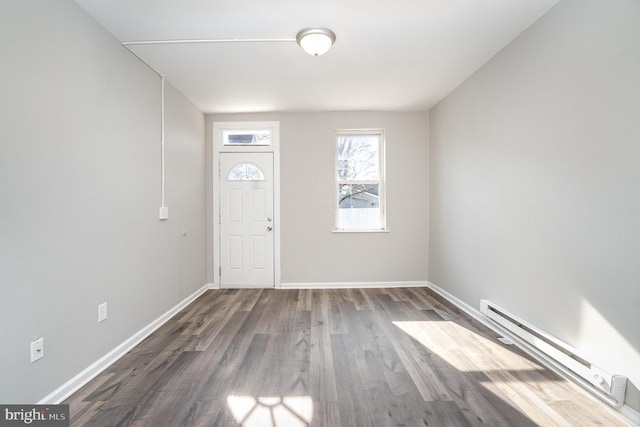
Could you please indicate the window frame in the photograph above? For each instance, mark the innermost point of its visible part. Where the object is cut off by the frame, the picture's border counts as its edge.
(220, 127)
(226, 133)
(381, 181)
(243, 179)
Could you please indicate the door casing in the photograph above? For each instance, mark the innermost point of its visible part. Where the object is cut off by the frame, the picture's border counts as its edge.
(219, 147)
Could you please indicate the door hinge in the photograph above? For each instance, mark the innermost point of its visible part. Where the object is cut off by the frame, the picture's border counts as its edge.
(220, 271)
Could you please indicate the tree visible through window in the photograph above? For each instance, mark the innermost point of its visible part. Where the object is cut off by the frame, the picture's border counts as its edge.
(360, 180)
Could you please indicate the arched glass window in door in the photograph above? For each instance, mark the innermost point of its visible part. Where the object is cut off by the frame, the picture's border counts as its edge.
(245, 172)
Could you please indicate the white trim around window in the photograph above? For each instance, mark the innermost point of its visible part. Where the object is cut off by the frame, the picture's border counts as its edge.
(360, 190)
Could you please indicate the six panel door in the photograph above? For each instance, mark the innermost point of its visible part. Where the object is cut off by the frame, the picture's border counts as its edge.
(246, 220)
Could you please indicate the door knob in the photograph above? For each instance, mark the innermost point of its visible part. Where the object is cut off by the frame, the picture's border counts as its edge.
(269, 219)
(269, 228)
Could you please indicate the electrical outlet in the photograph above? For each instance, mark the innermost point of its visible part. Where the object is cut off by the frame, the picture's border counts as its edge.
(37, 349)
(102, 312)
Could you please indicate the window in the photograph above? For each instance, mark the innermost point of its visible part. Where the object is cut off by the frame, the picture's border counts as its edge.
(245, 172)
(246, 137)
(360, 180)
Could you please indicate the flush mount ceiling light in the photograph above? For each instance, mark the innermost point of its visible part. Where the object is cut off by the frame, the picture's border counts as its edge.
(316, 41)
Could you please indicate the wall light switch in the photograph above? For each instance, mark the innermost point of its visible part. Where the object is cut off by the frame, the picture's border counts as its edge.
(164, 212)
(37, 349)
(102, 312)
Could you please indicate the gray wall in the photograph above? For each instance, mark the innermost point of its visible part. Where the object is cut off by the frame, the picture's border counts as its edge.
(311, 253)
(80, 191)
(535, 182)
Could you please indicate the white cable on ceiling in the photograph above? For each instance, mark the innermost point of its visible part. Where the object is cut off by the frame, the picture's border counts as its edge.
(128, 45)
(192, 41)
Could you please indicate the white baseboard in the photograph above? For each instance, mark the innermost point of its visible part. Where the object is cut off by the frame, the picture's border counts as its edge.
(74, 384)
(347, 285)
(212, 286)
(463, 306)
(626, 412)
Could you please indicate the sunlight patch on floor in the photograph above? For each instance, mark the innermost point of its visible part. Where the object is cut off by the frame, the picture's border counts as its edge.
(470, 352)
(287, 411)
(463, 349)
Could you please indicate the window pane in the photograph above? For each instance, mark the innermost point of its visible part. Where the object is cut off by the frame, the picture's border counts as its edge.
(359, 206)
(358, 158)
(245, 172)
(246, 137)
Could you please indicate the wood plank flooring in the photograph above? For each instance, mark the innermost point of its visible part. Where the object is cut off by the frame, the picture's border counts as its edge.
(352, 357)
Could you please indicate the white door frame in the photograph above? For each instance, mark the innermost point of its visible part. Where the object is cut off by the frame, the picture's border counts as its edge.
(219, 147)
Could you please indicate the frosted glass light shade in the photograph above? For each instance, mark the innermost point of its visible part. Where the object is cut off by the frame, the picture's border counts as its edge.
(316, 41)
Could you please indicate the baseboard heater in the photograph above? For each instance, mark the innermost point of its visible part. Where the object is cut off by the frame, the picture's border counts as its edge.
(610, 388)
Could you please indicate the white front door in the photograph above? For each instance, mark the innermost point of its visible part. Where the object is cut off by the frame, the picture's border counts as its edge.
(246, 220)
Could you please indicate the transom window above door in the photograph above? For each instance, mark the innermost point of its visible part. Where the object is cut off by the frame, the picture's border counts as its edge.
(246, 137)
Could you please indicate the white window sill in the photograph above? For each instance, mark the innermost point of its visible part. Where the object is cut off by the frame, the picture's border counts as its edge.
(361, 231)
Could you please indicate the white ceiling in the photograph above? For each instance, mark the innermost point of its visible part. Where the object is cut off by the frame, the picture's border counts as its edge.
(402, 55)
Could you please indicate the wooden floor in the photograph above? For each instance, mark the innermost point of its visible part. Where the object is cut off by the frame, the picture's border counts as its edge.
(353, 357)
